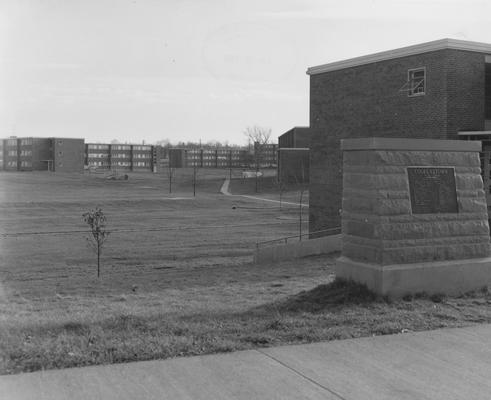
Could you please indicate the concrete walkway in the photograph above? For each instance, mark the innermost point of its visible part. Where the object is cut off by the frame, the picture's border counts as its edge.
(224, 190)
(444, 364)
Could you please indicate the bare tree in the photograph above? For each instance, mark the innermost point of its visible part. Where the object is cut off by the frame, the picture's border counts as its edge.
(97, 223)
(260, 137)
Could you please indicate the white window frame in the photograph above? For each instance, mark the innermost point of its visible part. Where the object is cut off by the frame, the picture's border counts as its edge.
(411, 72)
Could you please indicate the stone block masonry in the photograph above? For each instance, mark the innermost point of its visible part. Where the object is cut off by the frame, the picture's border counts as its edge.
(380, 228)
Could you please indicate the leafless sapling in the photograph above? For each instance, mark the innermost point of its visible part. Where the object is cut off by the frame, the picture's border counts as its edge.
(98, 233)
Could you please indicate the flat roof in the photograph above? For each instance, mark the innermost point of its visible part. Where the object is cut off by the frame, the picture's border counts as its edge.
(402, 52)
(39, 137)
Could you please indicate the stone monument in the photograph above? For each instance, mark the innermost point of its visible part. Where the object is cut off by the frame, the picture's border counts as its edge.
(414, 216)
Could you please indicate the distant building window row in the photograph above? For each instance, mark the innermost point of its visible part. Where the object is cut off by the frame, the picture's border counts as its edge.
(118, 164)
(26, 164)
(120, 147)
(141, 148)
(141, 155)
(25, 153)
(98, 155)
(12, 142)
(97, 163)
(12, 153)
(98, 146)
(26, 142)
(12, 163)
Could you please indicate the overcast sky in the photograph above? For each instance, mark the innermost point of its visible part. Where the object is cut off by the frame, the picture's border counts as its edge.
(136, 70)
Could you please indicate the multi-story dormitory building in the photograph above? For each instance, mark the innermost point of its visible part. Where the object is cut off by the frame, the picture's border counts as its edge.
(42, 154)
(266, 154)
(124, 157)
(71, 155)
(435, 90)
(154, 158)
(217, 158)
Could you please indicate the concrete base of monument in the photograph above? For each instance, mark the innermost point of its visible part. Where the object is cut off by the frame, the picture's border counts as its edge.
(443, 277)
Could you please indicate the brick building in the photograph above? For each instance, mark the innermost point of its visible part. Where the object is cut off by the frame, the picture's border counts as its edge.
(223, 157)
(293, 155)
(42, 154)
(266, 154)
(438, 90)
(123, 157)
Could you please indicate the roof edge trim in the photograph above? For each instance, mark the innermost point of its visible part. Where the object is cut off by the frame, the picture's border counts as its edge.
(402, 52)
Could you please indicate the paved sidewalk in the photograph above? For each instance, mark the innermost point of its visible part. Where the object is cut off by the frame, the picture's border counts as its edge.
(444, 364)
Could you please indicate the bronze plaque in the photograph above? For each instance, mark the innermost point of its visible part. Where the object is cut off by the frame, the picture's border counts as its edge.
(432, 190)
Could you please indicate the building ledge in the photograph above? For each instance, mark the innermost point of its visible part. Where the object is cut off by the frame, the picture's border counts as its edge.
(403, 52)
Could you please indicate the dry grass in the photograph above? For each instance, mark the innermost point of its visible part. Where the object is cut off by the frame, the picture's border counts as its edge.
(189, 288)
(67, 331)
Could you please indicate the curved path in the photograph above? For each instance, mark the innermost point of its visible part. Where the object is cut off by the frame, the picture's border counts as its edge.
(225, 190)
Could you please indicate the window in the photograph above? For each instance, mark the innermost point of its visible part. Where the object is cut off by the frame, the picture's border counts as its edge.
(416, 81)
(98, 146)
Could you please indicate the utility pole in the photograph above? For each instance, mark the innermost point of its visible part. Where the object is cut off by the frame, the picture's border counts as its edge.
(301, 199)
(230, 164)
(300, 219)
(194, 180)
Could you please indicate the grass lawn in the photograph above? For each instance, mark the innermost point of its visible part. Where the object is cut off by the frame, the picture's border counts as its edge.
(177, 276)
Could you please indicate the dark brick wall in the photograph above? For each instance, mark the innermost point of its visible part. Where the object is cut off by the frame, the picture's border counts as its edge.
(488, 91)
(177, 158)
(293, 166)
(287, 140)
(41, 151)
(302, 137)
(366, 101)
(68, 154)
(465, 88)
(295, 137)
